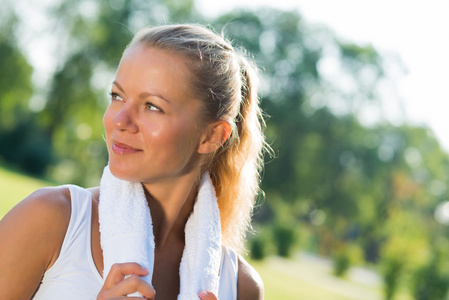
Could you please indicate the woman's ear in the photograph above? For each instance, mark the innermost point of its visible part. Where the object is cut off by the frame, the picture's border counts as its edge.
(215, 135)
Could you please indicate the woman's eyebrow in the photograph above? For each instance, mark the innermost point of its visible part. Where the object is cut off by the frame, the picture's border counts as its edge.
(142, 95)
(148, 94)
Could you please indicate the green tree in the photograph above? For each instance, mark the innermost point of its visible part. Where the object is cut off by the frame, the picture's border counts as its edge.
(22, 141)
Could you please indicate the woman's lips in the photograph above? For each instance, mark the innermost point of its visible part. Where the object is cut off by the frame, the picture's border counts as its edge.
(120, 148)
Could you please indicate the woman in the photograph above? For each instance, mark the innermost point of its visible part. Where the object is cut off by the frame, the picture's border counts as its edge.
(183, 116)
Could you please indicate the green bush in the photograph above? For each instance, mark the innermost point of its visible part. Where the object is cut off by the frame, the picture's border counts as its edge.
(429, 283)
(342, 262)
(27, 147)
(284, 238)
(258, 247)
(391, 275)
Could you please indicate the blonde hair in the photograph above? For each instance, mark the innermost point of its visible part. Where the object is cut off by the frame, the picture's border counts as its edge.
(226, 82)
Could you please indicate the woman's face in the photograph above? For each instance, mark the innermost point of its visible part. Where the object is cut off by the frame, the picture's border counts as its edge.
(152, 123)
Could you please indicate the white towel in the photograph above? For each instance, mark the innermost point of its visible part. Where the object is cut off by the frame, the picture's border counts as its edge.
(127, 233)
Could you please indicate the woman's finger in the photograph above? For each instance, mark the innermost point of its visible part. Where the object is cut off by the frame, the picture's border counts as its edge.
(130, 285)
(119, 271)
(206, 295)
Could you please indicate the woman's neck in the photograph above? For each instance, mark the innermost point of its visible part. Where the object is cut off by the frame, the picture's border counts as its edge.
(171, 203)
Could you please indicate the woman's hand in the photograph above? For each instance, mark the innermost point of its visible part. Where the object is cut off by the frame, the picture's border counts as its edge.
(206, 295)
(125, 279)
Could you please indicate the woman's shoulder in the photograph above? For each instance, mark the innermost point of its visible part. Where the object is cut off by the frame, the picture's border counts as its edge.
(46, 211)
(249, 283)
(46, 202)
(54, 203)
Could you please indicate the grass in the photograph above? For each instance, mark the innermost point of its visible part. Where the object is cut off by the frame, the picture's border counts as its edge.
(307, 278)
(281, 285)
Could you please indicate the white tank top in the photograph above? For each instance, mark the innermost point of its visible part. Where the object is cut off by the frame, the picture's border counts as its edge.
(74, 276)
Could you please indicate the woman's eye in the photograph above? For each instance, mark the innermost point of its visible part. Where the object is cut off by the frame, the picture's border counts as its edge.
(115, 96)
(151, 106)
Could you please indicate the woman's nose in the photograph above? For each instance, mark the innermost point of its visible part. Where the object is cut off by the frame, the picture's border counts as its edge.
(125, 119)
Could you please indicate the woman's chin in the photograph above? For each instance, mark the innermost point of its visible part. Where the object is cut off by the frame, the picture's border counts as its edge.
(123, 172)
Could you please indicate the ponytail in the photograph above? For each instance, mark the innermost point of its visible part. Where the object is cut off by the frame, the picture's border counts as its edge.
(235, 171)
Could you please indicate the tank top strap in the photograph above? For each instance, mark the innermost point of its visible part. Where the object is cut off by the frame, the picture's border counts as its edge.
(80, 216)
(228, 275)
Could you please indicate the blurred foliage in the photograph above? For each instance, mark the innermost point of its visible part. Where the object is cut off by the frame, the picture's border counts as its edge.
(338, 187)
(342, 262)
(430, 282)
(284, 238)
(258, 247)
(23, 142)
